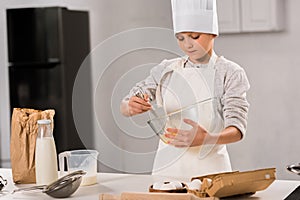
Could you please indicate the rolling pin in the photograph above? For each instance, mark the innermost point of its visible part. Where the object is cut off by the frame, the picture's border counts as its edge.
(153, 196)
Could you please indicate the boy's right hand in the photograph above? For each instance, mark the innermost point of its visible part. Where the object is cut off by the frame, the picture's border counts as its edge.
(137, 105)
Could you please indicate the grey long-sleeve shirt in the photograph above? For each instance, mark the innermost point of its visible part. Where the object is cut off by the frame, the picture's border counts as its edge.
(231, 85)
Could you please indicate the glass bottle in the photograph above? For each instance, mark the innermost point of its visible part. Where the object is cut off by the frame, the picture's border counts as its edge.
(45, 154)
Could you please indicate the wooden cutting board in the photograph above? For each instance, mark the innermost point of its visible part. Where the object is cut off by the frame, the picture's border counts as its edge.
(153, 196)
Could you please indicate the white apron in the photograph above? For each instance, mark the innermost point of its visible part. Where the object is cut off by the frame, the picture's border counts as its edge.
(187, 86)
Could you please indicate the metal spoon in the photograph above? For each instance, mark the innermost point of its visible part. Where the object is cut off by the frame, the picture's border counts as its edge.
(61, 188)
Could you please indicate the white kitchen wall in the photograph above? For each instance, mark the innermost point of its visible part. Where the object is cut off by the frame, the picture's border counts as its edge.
(121, 60)
(271, 61)
(4, 103)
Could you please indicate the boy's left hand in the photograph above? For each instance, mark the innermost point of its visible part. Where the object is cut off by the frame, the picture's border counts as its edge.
(187, 138)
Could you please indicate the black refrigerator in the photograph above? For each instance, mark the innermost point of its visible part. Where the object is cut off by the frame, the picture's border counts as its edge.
(46, 47)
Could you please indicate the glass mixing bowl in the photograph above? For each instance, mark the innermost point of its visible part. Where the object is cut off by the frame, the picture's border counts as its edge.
(203, 112)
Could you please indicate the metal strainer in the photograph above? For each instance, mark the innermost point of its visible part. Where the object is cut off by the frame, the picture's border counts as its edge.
(61, 188)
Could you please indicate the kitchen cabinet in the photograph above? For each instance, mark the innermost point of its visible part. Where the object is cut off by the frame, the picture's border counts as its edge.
(229, 16)
(236, 16)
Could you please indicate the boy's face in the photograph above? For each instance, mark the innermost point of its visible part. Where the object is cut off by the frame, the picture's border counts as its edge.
(195, 45)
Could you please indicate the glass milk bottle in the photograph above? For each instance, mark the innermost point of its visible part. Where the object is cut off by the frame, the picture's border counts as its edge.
(45, 154)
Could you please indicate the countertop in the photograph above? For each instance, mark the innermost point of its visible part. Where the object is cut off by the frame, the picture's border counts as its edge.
(117, 183)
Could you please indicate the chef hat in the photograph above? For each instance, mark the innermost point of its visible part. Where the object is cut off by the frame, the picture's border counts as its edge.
(195, 16)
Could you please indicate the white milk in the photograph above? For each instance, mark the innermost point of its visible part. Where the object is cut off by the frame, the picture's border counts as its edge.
(45, 161)
(91, 172)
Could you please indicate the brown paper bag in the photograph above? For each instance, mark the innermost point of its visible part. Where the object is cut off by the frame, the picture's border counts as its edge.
(22, 142)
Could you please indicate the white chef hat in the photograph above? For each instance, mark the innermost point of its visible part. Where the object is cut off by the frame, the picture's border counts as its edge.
(195, 16)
